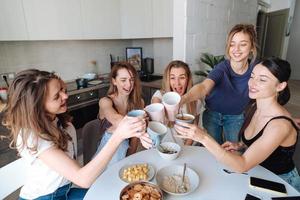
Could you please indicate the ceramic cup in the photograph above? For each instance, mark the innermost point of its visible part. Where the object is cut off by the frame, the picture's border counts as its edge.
(156, 112)
(3, 94)
(187, 118)
(135, 113)
(171, 102)
(156, 131)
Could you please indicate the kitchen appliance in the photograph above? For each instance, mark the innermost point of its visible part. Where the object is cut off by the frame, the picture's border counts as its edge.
(148, 66)
(146, 74)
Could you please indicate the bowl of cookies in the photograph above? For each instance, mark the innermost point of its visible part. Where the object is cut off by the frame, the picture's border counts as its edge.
(141, 190)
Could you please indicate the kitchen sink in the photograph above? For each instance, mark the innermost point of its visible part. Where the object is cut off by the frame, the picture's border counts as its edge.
(150, 77)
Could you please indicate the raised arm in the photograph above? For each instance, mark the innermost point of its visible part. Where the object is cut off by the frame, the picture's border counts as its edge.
(85, 176)
(198, 91)
(278, 132)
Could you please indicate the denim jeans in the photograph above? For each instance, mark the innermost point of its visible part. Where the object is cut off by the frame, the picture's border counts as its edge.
(216, 123)
(64, 193)
(119, 154)
(292, 178)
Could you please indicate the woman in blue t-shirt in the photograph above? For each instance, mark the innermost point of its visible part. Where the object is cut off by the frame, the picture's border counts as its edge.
(225, 90)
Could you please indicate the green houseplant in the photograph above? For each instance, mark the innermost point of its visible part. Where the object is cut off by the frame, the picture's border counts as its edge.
(210, 61)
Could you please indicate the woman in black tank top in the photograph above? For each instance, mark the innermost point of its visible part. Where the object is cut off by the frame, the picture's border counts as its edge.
(269, 135)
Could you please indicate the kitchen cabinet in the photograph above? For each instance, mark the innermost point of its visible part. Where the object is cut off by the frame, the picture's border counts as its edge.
(147, 93)
(162, 18)
(101, 19)
(53, 19)
(136, 18)
(12, 21)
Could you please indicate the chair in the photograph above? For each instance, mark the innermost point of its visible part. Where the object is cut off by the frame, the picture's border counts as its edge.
(91, 135)
(12, 177)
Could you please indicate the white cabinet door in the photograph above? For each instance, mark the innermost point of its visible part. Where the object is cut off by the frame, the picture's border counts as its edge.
(101, 19)
(136, 18)
(12, 22)
(162, 18)
(53, 19)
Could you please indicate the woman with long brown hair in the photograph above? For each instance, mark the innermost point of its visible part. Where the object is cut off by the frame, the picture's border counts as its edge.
(178, 78)
(45, 138)
(124, 95)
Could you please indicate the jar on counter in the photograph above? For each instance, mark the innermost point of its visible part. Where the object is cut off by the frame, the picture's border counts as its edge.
(3, 94)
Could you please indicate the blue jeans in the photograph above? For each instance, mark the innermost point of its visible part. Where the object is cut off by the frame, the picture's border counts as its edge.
(64, 193)
(119, 154)
(292, 178)
(216, 123)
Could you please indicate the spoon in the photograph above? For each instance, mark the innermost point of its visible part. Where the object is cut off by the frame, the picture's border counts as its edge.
(181, 187)
(231, 172)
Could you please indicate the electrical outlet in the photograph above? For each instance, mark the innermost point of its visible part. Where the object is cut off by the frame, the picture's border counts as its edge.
(9, 75)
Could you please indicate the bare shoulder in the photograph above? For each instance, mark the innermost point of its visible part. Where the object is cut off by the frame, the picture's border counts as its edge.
(280, 125)
(105, 101)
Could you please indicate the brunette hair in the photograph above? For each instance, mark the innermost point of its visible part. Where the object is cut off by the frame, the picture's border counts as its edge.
(135, 98)
(166, 87)
(248, 29)
(25, 114)
(281, 70)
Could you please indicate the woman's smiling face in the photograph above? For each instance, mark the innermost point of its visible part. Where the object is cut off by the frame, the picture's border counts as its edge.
(178, 80)
(124, 81)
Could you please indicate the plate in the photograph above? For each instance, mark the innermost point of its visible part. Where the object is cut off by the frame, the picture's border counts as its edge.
(176, 170)
(95, 82)
(150, 174)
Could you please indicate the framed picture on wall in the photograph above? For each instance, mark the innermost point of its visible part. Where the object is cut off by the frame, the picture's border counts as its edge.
(134, 55)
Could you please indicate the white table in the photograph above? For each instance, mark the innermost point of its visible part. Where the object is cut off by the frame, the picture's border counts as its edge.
(214, 182)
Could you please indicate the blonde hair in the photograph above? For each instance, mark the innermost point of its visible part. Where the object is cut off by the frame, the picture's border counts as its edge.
(166, 87)
(25, 113)
(248, 29)
(135, 97)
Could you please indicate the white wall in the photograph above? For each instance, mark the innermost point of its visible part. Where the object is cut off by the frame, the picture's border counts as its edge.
(294, 44)
(207, 24)
(71, 58)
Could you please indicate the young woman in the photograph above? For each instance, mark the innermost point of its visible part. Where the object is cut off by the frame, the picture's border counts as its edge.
(178, 78)
(225, 89)
(45, 138)
(124, 94)
(269, 133)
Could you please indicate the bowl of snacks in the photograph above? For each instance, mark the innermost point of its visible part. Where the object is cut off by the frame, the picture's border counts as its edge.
(137, 172)
(141, 190)
(169, 179)
(168, 150)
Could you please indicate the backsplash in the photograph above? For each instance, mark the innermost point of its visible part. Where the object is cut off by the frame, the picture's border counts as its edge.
(71, 59)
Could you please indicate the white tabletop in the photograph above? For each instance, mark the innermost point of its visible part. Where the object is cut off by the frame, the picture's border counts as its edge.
(214, 182)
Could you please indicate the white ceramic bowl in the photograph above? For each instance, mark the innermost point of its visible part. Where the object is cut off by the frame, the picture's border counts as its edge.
(165, 148)
(176, 170)
(90, 76)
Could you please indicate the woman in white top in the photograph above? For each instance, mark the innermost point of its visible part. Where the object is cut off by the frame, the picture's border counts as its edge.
(178, 78)
(44, 137)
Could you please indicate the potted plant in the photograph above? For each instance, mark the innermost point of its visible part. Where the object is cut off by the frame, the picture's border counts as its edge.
(210, 61)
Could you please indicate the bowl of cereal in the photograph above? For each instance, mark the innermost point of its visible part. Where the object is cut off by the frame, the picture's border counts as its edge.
(169, 179)
(137, 172)
(141, 190)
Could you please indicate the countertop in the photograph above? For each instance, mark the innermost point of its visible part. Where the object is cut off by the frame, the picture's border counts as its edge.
(153, 84)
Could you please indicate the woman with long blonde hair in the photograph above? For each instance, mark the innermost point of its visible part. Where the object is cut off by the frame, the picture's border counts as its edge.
(178, 78)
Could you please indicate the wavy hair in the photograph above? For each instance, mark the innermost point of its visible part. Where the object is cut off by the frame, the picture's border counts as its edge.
(25, 114)
(135, 100)
(166, 87)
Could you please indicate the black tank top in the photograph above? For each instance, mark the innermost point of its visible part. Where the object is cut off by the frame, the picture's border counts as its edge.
(105, 124)
(281, 160)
